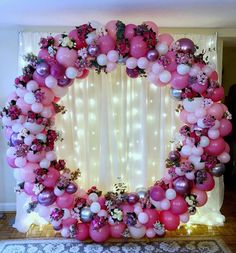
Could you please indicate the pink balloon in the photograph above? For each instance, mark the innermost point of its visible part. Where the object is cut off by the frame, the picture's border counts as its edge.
(43, 54)
(179, 81)
(106, 44)
(117, 230)
(111, 28)
(166, 38)
(65, 201)
(39, 79)
(173, 65)
(28, 188)
(25, 108)
(207, 185)
(224, 157)
(214, 76)
(183, 116)
(31, 167)
(157, 193)
(80, 42)
(199, 87)
(27, 175)
(215, 147)
(51, 177)
(225, 127)
(152, 217)
(129, 31)
(201, 196)
(152, 25)
(99, 235)
(126, 208)
(82, 232)
(56, 39)
(216, 111)
(138, 47)
(170, 220)
(227, 148)
(178, 205)
(11, 162)
(35, 158)
(69, 221)
(48, 96)
(67, 57)
(218, 94)
(101, 200)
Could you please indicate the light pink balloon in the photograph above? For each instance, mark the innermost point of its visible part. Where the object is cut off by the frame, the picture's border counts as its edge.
(111, 66)
(65, 201)
(113, 56)
(227, 147)
(23, 106)
(184, 217)
(179, 81)
(183, 116)
(218, 94)
(224, 157)
(56, 39)
(225, 127)
(28, 188)
(48, 96)
(51, 177)
(99, 235)
(11, 162)
(35, 158)
(129, 31)
(67, 57)
(200, 112)
(152, 25)
(117, 230)
(39, 79)
(166, 38)
(111, 28)
(138, 47)
(106, 43)
(199, 87)
(173, 65)
(201, 196)
(216, 111)
(150, 233)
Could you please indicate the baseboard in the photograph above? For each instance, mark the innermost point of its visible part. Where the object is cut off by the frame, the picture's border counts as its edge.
(7, 207)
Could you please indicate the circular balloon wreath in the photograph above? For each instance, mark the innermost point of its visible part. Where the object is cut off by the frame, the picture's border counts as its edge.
(199, 155)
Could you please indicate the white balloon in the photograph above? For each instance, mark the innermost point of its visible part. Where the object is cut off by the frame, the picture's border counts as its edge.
(20, 162)
(213, 134)
(71, 72)
(102, 60)
(179, 172)
(45, 164)
(34, 128)
(131, 63)
(65, 232)
(170, 194)
(29, 139)
(32, 85)
(194, 70)
(183, 69)
(58, 192)
(91, 37)
(137, 233)
(11, 152)
(95, 207)
(197, 151)
(162, 48)
(93, 197)
(207, 70)
(50, 81)
(216, 125)
(29, 98)
(157, 68)
(165, 204)
(17, 127)
(191, 118)
(143, 218)
(142, 62)
(46, 112)
(37, 107)
(200, 123)
(186, 151)
(41, 137)
(51, 156)
(204, 141)
(193, 104)
(102, 213)
(59, 91)
(66, 214)
(165, 76)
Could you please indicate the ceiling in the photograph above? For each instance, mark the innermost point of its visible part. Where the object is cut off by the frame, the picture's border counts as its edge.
(166, 13)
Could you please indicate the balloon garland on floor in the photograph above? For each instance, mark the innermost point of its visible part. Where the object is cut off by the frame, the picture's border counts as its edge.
(199, 155)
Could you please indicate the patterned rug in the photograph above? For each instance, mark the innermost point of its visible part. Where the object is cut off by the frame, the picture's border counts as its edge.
(173, 245)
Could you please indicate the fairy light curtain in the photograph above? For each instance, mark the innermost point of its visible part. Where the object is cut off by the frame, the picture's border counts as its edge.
(120, 129)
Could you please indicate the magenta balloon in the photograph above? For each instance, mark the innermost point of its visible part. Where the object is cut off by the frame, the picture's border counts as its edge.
(28, 188)
(57, 70)
(138, 47)
(46, 197)
(82, 232)
(225, 127)
(181, 185)
(129, 31)
(133, 73)
(207, 185)
(117, 230)
(11, 162)
(43, 54)
(152, 217)
(132, 198)
(186, 45)
(172, 66)
(51, 177)
(99, 235)
(165, 38)
(43, 69)
(39, 79)
(106, 44)
(65, 201)
(69, 221)
(170, 220)
(157, 193)
(201, 196)
(215, 147)
(65, 81)
(152, 55)
(127, 208)
(178, 205)
(101, 200)
(71, 188)
(218, 94)
(179, 81)
(93, 50)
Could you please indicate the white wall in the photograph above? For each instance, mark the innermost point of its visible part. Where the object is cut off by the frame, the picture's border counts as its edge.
(8, 72)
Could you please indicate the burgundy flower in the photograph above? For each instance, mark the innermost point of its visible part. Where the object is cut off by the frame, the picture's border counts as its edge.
(39, 96)
(209, 121)
(123, 47)
(164, 60)
(57, 214)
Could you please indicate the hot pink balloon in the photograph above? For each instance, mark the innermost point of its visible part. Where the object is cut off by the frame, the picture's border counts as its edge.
(43, 54)
(69, 221)
(80, 42)
(227, 148)
(152, 25)
(216, 111)
(225, 127)
(127, 208)
(157, 193)
(51, 177)
(28, 188)
(214, 76)
(65, 201)
(218, 94)
(111, 28)
(99, 235)
(215, 147)
(117, 230)
(129, 31)
(152, 217)
(172, 64)
(27, 175)
(11, 162)
(101, 200)
(82, 232)
(138, 47)
(200, 88)
(166, 38)
(179, 81)
(178, 205)
(207, 185)
(170, 220)
(201, 196)
(67, 57)
(106, 44)
(39, 79)
(57, 70)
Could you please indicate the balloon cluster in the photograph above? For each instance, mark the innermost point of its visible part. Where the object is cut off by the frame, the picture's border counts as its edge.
(200, 153)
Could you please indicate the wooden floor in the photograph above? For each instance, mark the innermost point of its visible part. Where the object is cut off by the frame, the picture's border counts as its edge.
(227, 232)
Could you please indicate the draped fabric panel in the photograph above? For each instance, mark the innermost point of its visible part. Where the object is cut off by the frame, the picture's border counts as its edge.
(119, 129)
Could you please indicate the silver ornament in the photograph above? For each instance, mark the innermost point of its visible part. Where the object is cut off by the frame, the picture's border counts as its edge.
(142, 192)
(85, 214)
(218, 170)
(176, 94)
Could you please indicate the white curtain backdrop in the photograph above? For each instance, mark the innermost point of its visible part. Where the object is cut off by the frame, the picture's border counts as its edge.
(119, 129)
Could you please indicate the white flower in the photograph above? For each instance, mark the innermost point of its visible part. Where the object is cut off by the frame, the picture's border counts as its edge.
(83, 53)
(38, 188)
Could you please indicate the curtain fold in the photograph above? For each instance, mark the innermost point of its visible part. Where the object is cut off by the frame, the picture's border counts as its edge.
(118, 129)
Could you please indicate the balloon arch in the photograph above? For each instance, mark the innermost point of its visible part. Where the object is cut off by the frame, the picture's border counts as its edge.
(200, 154)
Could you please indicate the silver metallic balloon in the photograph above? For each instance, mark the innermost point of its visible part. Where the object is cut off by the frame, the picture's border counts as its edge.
(218, 170)
(86, 214)
(181, 185)
(142, 192)
(176, 94)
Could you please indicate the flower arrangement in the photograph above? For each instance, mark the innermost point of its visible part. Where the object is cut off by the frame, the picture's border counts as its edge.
(199, 154)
